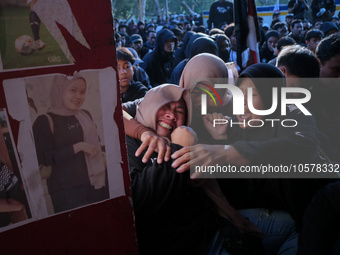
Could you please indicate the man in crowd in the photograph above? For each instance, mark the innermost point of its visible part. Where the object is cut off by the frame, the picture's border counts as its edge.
(150, 40)
(160, 63)
(220, 11)
(313, 38)
(296, 29)
(289, 20)
(298, 8)
(323, 9)
(297, 62)
(137, 45)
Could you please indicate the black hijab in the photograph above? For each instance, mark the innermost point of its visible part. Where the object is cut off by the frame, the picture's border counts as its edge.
(265, 77)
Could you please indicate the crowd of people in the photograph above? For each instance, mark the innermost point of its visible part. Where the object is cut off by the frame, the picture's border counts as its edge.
(165, 66)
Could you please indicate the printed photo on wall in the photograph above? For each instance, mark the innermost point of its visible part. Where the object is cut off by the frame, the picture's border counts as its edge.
(31, 34)
(76, 156)
(14, 207)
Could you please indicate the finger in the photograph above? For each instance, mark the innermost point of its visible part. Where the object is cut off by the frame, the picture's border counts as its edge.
(180, 152)
(149, 152)
(184, 167)
(161, 153)
(167, 153)
(195, 175)
(180, 161)
(141, 148)
(211, 118)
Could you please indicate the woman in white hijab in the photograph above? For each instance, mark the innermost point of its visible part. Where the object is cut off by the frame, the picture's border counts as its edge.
(66, 139)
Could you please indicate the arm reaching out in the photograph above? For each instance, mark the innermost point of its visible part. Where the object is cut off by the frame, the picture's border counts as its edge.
(206, 155)
(150, 140)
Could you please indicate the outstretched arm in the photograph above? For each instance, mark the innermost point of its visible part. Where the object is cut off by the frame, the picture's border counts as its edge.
(150, 140)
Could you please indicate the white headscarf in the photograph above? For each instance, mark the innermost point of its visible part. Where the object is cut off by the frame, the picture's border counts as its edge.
(95, 165)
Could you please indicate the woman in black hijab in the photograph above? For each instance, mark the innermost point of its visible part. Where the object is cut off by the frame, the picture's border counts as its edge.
(273, 205)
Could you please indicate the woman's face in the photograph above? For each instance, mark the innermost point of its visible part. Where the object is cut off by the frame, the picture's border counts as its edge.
(257, 103)
(169, 117)
(74, 95)
(272, 43)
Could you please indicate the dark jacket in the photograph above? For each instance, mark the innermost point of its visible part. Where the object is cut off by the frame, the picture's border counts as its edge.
(180, 52)
(219, 13)
(298, 39)
(171, 217)
(321, 223)
(159, 64)
(141, 76)
(136, 90)
(329, 5)
(265, 54)
(299, 11)
(275, 146)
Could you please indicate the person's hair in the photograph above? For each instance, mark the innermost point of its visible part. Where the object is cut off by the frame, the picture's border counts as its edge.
(285, 41)
(215, 31)
(314, 33)
(229, 30)
(200, 29)
(295, 21)
(316, 20)
(124, 54)
(328, 48)
(299, 61)
(279, 25)
(274, 22)
(272, 33)
(177, 31)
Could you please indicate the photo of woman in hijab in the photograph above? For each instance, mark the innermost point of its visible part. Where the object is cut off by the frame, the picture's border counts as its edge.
(67, 143)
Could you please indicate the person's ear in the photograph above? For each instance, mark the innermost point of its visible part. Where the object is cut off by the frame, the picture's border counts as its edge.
(133, 69)
(283, 70)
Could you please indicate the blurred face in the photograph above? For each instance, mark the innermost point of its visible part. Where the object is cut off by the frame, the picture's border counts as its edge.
(260, 23)
(331, 69)
(137, 46)
(313, 43)
(297, 29)
(257, 103)
(318, 24)
(74, 95)
(283, 31)
(118, 43)
(224, 45)
(306, 26)
(272, 43)
(123, 41)
(169, 46)
(152, 38)
(289, 20)
(125, 74)
(169, 117)
(233, 40)
(275, 17)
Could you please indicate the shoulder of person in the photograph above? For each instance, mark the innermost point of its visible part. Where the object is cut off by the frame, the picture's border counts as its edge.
(137, 85)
